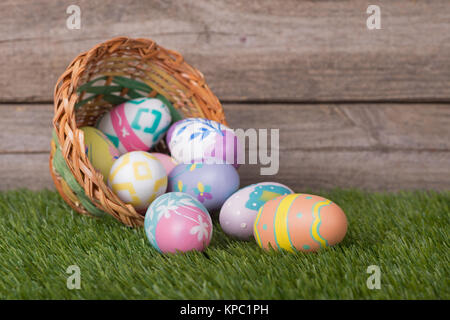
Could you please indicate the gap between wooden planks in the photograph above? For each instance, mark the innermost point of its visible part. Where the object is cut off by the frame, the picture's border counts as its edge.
(383, 147)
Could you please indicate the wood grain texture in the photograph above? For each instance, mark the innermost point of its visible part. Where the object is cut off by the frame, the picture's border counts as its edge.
(25, 128)
(30, 171)
(277, 50)
(370, 146)
(307, 127)
(351, 126)
(368, 170)
(312, 170)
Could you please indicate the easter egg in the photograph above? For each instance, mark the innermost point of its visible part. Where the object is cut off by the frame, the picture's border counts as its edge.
(99, 150)
(198, 140)
(170, 131)
(177, 221)
(137, 124)
(301, 222)
(138, 178)
(167, 161)
(238, 213)
(211, 184)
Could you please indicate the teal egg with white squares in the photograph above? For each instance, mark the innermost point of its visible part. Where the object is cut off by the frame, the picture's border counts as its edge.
(136, 125)
(239, 211)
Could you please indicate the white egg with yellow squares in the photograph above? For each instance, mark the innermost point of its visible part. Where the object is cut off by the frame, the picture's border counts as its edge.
(138, 178)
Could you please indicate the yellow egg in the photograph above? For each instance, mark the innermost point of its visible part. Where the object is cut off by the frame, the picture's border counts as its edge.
(100, 150)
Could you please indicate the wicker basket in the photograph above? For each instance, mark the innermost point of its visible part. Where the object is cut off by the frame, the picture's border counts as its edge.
(110, 73)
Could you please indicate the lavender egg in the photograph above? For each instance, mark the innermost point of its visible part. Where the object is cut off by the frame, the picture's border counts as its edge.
(239, 211)
(170, 131)
(211, 184)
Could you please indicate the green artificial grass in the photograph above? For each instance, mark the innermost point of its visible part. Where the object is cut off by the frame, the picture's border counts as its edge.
(406, 234)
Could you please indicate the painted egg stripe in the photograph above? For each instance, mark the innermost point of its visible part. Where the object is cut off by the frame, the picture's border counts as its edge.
(273, 223)
(151, 234)
(120, 124)
(287, 227)
(280, 223)
(150, 156)
(160, 184)
(127, 186)
(317, 222)
(141, 164)
(115, 140)
(91, 153)
(255, 227)
(136, 101)
(125, 161)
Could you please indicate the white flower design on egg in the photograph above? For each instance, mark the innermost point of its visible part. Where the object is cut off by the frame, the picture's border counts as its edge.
(201, 229)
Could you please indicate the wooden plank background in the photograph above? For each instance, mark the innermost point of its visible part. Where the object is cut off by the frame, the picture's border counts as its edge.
(371, 146)
(276, 50)
(355, 108)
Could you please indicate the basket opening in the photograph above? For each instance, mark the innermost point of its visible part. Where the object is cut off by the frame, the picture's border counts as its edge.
(117, 79)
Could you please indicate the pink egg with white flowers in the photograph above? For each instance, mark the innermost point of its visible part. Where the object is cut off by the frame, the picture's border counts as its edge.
(177, 222)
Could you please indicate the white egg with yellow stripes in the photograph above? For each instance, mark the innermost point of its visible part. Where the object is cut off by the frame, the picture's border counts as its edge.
(138, 178)
(299, 222)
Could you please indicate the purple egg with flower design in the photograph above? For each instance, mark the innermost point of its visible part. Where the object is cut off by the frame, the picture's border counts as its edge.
(239, 211)
(198, 140)
(177, 222)
(211, 184)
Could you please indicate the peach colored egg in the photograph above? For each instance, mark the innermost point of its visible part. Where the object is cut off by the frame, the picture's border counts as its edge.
(302, 222)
